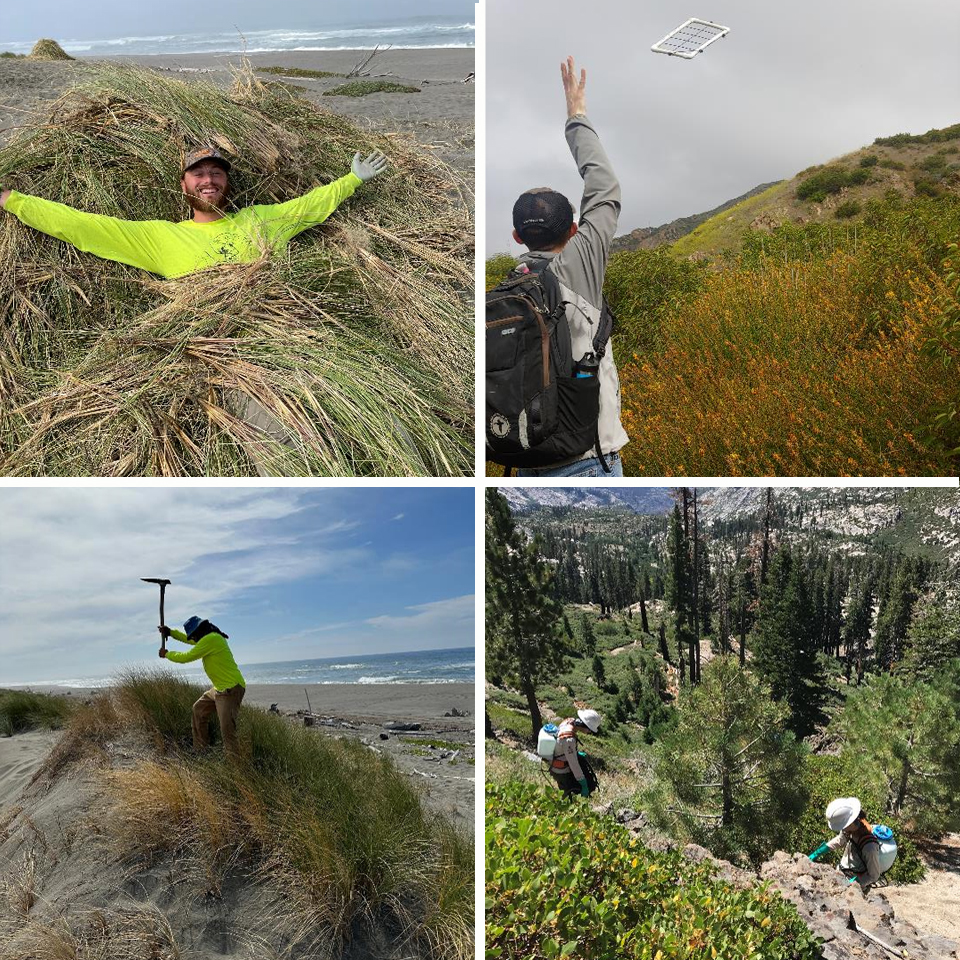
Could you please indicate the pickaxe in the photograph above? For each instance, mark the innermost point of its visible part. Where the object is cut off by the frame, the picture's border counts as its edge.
(163, 585)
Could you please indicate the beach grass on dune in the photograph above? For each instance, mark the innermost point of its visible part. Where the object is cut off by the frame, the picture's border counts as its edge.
(335, 824)
(348, 354)
(22, 710)
(363, 88)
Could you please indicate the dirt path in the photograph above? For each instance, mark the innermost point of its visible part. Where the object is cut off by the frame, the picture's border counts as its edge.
(934, 904)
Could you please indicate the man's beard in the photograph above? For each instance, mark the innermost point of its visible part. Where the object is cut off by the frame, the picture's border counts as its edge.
(205, 206)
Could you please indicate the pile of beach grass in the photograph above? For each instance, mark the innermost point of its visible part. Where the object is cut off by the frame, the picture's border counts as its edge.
(348, 354)
(47, 49)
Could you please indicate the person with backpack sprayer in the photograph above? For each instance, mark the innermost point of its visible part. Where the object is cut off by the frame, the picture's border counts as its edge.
(209, 644)
(553, 394)
(869, 850)
(569, 766)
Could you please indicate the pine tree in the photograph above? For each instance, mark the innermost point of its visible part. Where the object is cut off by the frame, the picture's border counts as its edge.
(933, 638)
(903, 739)
(678, 592)
(856, 633)
(893, 619)
(784, 651)
(732, 768)
(522, 613)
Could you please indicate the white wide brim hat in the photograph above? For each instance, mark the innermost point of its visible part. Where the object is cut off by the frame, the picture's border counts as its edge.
(841, 813)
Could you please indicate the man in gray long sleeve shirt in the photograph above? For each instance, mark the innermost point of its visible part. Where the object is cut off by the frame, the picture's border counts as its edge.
(543, 221)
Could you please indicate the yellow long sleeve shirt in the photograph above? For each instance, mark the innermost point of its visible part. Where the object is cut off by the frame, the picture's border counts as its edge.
(177, 249)
(218, 662)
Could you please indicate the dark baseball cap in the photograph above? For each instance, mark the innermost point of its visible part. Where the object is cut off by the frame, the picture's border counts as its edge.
(205, 153)
(542, 217)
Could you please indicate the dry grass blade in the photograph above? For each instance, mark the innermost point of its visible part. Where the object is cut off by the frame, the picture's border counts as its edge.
(350, 354)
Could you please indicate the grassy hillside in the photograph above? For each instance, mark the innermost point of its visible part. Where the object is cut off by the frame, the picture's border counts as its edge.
(903, 165)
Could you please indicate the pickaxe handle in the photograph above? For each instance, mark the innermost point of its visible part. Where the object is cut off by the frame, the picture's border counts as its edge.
(163, 639)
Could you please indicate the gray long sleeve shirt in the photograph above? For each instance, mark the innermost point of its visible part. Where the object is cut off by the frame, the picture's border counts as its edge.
(581, 265)
(862, 860)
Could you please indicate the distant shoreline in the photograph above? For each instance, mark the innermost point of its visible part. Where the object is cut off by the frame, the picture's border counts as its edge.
(376, 701)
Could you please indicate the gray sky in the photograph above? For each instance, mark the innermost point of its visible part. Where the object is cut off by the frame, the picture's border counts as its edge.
(104, 19)
(791, 85)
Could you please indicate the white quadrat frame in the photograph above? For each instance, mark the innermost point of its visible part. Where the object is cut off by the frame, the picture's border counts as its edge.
(690, 38)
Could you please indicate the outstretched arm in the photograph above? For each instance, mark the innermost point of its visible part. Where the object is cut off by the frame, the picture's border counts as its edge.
(125, 241)
(285, 220)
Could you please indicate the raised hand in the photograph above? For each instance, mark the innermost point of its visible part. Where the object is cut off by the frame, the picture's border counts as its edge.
(369, 168)
(574, 89)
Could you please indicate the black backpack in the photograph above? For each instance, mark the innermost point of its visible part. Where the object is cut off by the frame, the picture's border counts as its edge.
(543, 405)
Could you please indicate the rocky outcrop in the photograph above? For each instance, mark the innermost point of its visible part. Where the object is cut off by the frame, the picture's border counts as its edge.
(851, 924)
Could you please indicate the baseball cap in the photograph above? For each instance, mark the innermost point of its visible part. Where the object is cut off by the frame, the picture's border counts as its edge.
(205, 153)
(542, 217)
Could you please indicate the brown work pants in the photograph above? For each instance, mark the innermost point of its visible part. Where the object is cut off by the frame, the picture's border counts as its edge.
(226, 703)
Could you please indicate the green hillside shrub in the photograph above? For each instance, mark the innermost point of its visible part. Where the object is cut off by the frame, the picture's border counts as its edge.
(563, 881)
(870, 160)
(931, 136)
(849, 208)
(892, 164)
(830, 180)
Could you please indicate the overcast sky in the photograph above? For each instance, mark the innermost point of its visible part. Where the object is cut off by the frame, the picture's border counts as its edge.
(289, 574)
(106, 19)
(791, 85)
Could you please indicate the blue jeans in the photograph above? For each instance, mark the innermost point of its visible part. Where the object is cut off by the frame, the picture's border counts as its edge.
(580, 468)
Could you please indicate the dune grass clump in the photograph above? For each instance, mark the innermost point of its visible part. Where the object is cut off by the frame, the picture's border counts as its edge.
(298, 72)
(363, 88)
(22, 710)
(47, 49)
(349, 354)
(337, 826)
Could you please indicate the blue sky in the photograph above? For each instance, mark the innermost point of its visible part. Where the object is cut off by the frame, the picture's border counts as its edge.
(118, 18)
(289, 573)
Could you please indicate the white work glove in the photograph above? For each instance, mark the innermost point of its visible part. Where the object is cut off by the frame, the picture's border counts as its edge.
(367, 169)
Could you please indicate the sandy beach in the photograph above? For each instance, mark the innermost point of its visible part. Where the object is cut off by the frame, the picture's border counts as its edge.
(440, 117)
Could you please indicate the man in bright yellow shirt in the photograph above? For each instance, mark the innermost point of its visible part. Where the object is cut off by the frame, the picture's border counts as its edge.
(226, 694)
(213, 235)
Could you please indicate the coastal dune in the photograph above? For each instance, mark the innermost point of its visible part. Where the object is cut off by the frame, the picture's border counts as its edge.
(339, 841)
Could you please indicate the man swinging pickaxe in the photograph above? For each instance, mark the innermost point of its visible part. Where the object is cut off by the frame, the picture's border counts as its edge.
(163, 585)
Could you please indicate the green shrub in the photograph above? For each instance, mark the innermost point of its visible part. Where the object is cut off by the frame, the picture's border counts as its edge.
(827, 777)
(927, 188)
(497, 269)
(936, 163)
(848, 209)
(363, 88)
(829, 180)
(563, 881)
(23, 710)
(892, 164)
(643, 287)
(870, 160)
(931, 136)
